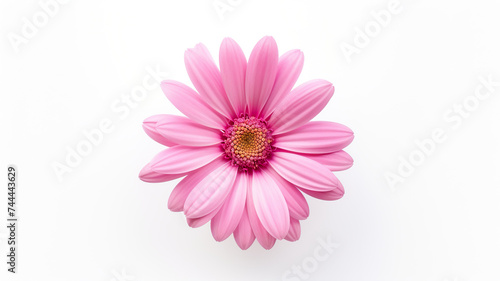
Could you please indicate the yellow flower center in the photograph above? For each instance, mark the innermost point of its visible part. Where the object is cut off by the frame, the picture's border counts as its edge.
(248, 142)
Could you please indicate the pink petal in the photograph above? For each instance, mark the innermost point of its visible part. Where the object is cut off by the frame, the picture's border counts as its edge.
(301, 105)
(233, 67)
(270, 205)
(327, 195)
(265, 239)
(211, 192)
(297, 204)
(180, 193)
(289, 68)
(182, 159)
(336, 161)
(228, 218)
(185, 186)
(207, 80)
(183, 131)
(149, 126)
(261, 73)
(304, 172)
(243, 234)
(197, 222)
(203, 50)
(316, 137)
(148, 175)
(294, 232)
(192, 105)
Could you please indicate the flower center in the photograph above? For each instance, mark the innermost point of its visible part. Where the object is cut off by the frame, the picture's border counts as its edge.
(248, 142)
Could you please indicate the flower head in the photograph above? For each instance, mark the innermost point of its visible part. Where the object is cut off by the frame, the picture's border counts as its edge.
(247, 149)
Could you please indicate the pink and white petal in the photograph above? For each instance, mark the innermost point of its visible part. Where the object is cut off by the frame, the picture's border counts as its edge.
(211, 192)
(149, 126)
(186, 185)
(327, 195)
(183, 159)
(243, 234)
(183, 131)
(336, 161)
(148, 175)
(203, 50)
(179, 194)
(265, 239)
(228, 218)
(294, 232)
(289, 67)
(316, 137)
(304, 172)
(270, 205)
(197, 222)
(301, 105)
(207, 80)
(261, 73)
(233, 67)
(297, 204)
(192, 105)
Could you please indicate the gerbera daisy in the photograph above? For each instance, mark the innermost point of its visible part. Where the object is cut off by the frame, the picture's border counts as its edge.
(247, 148)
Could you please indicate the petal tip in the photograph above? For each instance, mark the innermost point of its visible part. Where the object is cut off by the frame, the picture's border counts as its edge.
(268, 37)
(339, 192)
(228, 40)
(148, 125)
(268, 41)
(297, 53)
(244, 245)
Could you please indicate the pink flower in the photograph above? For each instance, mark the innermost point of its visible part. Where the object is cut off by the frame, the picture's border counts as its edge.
(247, 148)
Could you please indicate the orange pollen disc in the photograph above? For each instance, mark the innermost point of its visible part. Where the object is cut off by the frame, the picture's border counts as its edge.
(248, 142)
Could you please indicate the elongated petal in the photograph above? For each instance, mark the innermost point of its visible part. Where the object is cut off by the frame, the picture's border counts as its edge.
(304, 172)
(297, 204)
(270, 205)
(228, 218)
(265, 239)
(289, 67)
(316, 137)
(148, 175)
(207, 80)
(243, 234)
(261, 73)
(327, 195)
(183, 131)
(211, 192)
(301, 105)
(233, 67)
(185, 186)
(149, 126)
(336, 161)
(182, 159)
(192, 105)
(294, 232)
(197, 222)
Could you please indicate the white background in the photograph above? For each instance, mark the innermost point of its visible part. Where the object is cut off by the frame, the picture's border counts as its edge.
(100, 220)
